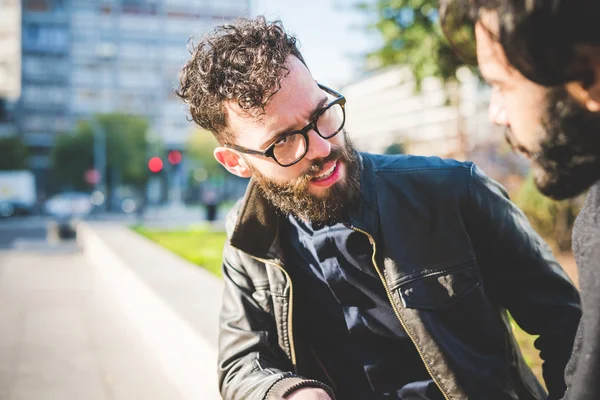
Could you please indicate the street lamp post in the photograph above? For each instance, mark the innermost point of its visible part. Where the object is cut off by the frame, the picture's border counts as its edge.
(99, 158)
(105, 53)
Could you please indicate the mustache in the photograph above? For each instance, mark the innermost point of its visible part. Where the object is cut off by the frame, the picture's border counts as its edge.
(336, 153)
(513, 143)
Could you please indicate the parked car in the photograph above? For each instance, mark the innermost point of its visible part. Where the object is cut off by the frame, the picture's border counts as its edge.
(69, 205)
(17, 193)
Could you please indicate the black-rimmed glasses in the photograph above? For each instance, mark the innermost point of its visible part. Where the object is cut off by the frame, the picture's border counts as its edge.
(290, 148)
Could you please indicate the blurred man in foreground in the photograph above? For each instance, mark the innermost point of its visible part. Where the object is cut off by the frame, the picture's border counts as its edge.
(357, 275)
(542, 58)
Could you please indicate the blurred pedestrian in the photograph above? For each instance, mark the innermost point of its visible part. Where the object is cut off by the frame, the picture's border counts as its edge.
(362, 276)
(210, 199)
(542, 59)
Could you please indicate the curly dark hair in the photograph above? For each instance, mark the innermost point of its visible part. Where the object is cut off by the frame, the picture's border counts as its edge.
(243, 61)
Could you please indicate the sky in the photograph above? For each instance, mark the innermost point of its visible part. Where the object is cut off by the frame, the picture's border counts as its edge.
(332, 35)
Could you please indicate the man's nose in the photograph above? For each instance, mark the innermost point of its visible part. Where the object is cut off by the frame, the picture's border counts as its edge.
(317, 146)
(497, 112)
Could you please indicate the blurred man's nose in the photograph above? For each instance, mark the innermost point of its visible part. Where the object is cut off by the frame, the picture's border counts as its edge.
(496, 110)
(317, 146)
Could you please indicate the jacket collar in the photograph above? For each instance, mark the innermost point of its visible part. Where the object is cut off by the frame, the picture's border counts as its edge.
(258, 221)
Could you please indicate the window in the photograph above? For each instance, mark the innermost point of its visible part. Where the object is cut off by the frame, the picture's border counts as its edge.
(50, 38)
(139, 23)
(86, 100)
(45, 95)
(36, 5)
(38, 67)
(39, 123)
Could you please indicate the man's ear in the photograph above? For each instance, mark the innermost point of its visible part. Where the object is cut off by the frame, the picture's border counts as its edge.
(593, 101)
(233, 162)
(588, 95)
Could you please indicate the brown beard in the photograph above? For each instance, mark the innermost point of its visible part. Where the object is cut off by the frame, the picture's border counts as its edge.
(332, 207)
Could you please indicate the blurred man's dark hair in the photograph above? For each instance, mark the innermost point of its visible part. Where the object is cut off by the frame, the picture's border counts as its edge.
(542, 39)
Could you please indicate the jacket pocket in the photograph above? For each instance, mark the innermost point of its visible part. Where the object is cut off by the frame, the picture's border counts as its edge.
(263, 297)
(438, 289)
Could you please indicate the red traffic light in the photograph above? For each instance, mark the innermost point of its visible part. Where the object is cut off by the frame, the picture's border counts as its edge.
(155, 164)
(174, 157)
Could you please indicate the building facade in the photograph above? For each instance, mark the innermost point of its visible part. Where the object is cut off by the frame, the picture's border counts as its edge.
(386, 107)
(82, 57)
(10, 63)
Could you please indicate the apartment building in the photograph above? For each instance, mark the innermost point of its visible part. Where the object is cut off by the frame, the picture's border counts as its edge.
(82, 57)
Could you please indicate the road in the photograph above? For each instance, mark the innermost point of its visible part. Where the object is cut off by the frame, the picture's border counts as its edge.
(61, 336)
(16, 232)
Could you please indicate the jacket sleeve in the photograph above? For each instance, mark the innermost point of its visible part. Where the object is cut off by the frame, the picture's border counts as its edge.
(520, 271)
(251, 364)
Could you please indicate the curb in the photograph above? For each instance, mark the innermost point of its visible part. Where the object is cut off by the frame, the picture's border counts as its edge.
(188, 359)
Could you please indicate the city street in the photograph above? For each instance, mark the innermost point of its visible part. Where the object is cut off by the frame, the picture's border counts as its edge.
(61, 336)
(22, 232)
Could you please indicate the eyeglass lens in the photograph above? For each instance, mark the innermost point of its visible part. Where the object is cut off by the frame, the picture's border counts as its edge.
(292, 148)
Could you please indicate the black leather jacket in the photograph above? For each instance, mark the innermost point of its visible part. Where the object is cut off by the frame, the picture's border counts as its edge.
(453, 253)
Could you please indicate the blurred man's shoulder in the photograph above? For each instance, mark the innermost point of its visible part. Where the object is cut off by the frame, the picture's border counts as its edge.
(409, 162)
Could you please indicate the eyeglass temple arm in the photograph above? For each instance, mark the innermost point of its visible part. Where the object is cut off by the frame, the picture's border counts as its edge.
(245, 150)
(329, 90)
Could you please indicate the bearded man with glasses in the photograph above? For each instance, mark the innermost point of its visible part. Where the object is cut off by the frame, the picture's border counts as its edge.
(358, 276)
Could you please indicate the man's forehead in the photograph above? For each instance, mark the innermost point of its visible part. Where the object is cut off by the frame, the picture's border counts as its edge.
(276, 97)
(296, 94)
(238, 118)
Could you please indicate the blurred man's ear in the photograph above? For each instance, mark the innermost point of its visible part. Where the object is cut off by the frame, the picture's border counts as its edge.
(588, 95)
(233, 162)
(593, 103)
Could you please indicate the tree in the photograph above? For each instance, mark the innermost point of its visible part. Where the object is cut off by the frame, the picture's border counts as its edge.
(13, 153)
(412, 36)
(395, 148)
(553, 220)
(72, 154)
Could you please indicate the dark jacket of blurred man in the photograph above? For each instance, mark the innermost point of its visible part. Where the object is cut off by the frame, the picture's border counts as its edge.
(542, 58)
(362, 276)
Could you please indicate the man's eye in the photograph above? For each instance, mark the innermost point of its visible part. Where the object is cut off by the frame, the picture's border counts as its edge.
(282, 141)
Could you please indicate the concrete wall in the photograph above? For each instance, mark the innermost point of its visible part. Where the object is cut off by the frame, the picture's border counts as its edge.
(10, 49)
(173, 304)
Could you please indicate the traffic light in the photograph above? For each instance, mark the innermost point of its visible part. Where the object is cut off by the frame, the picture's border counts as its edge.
(174, 157)
(155, 165)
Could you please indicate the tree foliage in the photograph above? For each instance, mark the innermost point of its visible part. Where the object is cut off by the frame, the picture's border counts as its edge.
(200, 148)
(13, 153)
(552, 219)
(412, 36)
(73, 154)
(395, 148)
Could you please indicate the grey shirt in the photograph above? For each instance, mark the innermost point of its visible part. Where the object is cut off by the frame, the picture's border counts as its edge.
(583, 371)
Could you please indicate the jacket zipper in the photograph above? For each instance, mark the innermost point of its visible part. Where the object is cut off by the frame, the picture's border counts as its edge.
(397, 312)
(290, 308)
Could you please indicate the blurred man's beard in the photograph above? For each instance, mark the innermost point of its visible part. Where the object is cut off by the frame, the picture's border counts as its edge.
(333, 206)
(568, 160)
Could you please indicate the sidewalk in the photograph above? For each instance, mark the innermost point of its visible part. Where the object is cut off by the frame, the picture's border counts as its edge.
(63, 338)
(173, 304)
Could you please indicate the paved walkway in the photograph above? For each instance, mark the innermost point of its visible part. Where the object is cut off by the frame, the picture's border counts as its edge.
(62, 338)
